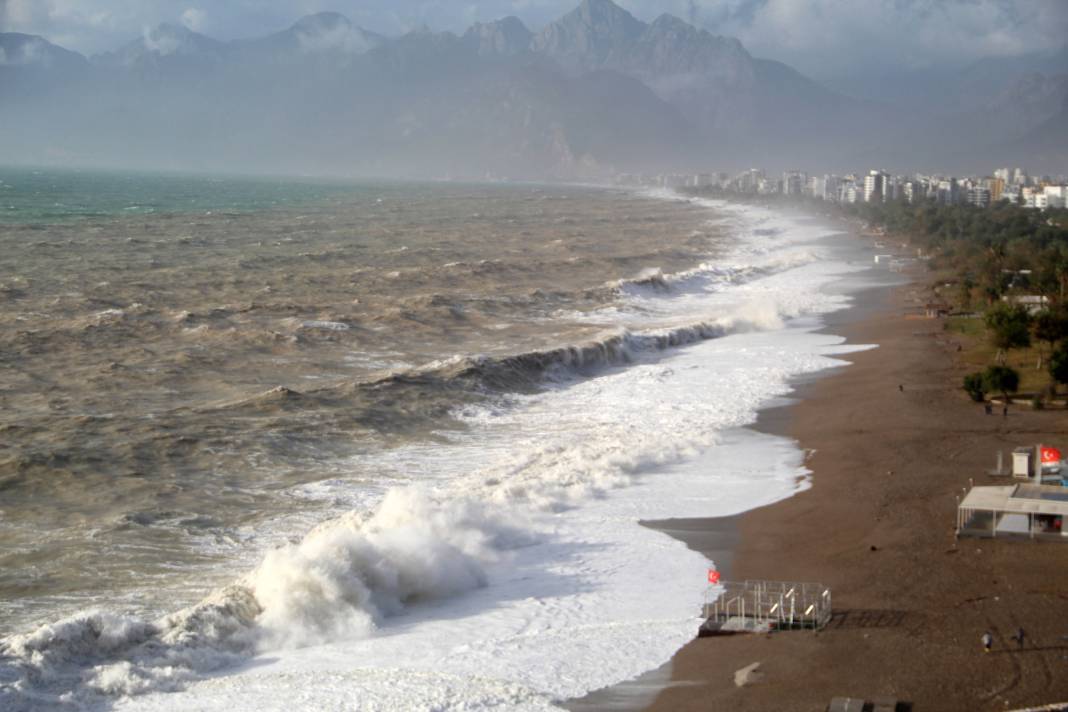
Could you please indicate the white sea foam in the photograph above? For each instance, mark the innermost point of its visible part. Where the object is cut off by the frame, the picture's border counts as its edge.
(515, 573)
(348, 574)
(327, 325)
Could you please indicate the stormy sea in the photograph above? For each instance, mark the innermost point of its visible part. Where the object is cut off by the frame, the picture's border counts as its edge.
(307, 444)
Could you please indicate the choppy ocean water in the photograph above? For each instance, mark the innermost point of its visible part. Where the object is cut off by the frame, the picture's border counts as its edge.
(376, 445)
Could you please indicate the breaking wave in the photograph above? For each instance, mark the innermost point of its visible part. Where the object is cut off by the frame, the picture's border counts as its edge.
(337, 583)
(348, 574)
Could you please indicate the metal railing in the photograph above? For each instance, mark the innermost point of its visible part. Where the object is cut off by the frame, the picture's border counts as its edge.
(774, 605)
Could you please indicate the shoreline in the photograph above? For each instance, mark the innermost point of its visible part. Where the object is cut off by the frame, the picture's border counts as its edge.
(719, 538)
(877, 527)
(911, 601)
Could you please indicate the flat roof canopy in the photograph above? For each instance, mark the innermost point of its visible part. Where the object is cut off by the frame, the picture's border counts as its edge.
(1019, 499)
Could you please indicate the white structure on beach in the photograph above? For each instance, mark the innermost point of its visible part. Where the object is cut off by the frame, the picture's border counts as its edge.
(1036, 511)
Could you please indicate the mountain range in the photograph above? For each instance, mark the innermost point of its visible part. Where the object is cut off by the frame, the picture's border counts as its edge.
(595, 92)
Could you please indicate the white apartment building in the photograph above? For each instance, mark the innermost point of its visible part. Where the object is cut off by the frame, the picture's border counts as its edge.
(876, 185)
(1056, 196)
(979, 196)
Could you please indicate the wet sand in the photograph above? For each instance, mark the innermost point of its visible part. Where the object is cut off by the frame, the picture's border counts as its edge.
(877, 527)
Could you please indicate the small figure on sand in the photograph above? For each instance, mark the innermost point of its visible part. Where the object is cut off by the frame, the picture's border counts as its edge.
(988, 640)
(1004, 411)
(901, 387)
(1019, 638)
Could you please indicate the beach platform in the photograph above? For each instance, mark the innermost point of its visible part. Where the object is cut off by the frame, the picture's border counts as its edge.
(764, 606)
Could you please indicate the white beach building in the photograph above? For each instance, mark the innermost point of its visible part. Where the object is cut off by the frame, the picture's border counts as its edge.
(1035, 511)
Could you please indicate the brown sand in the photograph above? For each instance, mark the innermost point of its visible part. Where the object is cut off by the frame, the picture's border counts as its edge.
(909, 613)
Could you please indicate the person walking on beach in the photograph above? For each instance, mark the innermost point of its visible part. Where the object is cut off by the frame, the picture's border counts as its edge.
(988, 640)
(1019, 637)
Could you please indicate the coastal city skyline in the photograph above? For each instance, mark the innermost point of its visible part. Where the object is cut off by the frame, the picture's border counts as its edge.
(1014, 185)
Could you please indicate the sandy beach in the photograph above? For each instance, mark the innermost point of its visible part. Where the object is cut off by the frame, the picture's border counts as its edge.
(910, 601)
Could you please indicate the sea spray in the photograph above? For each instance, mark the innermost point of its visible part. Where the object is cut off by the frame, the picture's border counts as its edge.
(349, 573)
(337, 583)
(88, 657)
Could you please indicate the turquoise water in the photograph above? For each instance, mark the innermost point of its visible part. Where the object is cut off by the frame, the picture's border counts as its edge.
(29, 195)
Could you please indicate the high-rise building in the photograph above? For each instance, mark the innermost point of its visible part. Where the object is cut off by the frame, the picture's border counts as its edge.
(996, 186)
(831, 183)
(914, 191)
(848, 193)
(702, 180)
(979, 196)
(947, 191)
(793, 182)
(1056, 196)
(875, 186)
(1028, 195)
(749, 181)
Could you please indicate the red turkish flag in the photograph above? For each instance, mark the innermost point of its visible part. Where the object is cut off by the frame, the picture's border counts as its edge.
(1050, 455)
(713, 576)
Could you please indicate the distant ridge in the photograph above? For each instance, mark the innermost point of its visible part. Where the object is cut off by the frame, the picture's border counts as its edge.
(499, 100)
(507, 37)
(166, 43)
(321, 33)
(18, 50)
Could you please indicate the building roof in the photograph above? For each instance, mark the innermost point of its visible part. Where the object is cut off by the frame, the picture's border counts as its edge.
(1019, 499)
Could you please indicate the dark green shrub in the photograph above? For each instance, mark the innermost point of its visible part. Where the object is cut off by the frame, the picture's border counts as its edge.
(1058, 363)
(975, 386)
(1001, 379)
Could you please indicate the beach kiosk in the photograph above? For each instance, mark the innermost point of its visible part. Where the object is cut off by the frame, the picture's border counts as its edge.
(1028, 510)
(1038, 464)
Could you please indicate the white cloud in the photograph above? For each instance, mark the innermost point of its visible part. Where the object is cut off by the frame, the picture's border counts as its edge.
(165, 43)
(20, 12)
(819, 37)
(194, 18)
(334, 39)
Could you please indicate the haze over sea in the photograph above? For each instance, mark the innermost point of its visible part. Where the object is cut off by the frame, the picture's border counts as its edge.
(467, 394)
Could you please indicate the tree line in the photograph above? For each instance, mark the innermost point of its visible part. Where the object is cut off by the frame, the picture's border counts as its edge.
(995, 254)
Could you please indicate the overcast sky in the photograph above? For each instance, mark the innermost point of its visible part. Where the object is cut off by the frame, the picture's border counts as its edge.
(820, 37)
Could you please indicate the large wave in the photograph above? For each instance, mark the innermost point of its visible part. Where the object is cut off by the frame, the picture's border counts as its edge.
(348, 574)
(336, 583)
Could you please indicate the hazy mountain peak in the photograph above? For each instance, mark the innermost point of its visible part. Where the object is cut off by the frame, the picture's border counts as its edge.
(421, 29)
(19, 50)
(507, 36)
(593, 34)
(605, 14)
(321, 21)
(168, 44)
(332, 32)
(690, 44)
(168, 39)
(667, 21)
